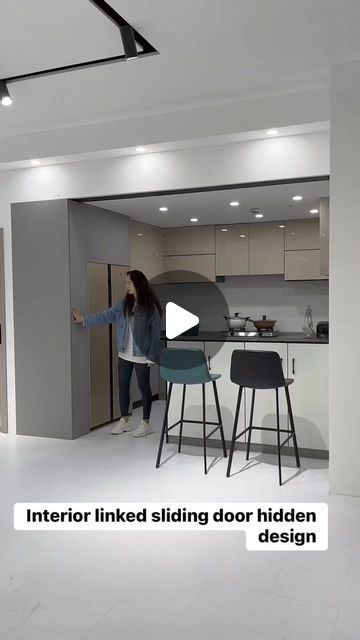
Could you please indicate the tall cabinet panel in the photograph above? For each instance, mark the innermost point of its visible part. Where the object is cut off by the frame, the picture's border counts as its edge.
(99, 346)
(118, 291)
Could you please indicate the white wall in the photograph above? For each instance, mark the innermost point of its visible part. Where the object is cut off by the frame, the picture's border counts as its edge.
(278, 299)
(288, 157)
(178, 125)
(255, 296)
(344, 278)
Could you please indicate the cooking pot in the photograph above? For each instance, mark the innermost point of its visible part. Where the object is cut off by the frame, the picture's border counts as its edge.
(264, 324)
(236, 322)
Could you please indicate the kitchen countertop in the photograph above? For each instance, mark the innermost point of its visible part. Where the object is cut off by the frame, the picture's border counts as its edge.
(221, 336)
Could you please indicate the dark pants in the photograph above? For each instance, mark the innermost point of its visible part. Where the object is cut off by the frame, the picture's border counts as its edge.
(143, 377)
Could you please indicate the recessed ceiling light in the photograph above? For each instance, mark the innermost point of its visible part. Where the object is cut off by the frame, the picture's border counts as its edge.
(223, 229)
(272, 132)
(259, 215)
(194, 219)
(139, 234)
(140, 149)
(314, 210)
(297, 198)
(234, 203)
(34, 162)
(281, 226)
(163, 209)
(242, 235)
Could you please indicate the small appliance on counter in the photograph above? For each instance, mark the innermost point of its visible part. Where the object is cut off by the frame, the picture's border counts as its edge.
(322, 330)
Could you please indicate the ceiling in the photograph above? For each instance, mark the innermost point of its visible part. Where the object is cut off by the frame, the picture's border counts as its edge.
(210, 53)
(212, 207)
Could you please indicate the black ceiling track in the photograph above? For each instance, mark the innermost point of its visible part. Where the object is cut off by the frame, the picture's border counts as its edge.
(146, 49)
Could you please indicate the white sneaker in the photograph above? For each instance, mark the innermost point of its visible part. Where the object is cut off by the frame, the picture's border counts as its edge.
(143, 430)
(121, 426)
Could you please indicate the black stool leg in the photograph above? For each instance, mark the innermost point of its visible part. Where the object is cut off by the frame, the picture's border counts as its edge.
(233, 438)
(278, 434)
(164, 426)
(250, 424)
(167, 423)
(204, 426)
(219, 418)
(182, 417)
(292, 424)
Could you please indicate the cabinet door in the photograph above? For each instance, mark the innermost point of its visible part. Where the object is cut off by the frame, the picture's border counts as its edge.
(302, 234)
(219, 359)
(191, 268)
(186, 241)
(303, 265)
(232, 250)
(100, 402)
(309, 366)
(193, 406)
(146, 249)
(118, 291)
(266, 248)
(265, 399)
(324, 236)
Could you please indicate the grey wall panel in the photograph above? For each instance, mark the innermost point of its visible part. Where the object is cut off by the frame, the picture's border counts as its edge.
(107, 235)
(100, 236)
(41, 282)
(80, 397)
(100, 387)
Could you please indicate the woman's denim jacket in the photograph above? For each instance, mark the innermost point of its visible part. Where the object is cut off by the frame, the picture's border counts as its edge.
(147, 329)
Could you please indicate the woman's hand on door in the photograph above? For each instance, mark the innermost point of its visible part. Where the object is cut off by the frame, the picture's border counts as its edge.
(77, 316)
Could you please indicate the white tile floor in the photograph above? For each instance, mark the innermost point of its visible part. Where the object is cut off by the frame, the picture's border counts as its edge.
(197, 586)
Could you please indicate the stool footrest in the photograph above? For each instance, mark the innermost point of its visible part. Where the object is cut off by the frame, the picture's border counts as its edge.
(270, 429)
(211, 432)
(287, 439)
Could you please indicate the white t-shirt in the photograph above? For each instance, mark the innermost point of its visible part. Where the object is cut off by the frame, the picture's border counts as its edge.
(128, 354)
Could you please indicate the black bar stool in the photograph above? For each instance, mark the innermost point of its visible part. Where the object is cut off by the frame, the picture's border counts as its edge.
(260, 370)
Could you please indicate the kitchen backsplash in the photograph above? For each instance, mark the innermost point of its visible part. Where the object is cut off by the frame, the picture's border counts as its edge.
(256, 296)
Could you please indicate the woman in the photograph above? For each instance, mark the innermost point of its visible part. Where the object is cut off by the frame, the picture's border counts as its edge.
(138, 327)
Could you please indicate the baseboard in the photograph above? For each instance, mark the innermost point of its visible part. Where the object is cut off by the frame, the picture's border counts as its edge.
(319, 454)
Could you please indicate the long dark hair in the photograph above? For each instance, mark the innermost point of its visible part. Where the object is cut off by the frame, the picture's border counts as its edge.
(146, 299)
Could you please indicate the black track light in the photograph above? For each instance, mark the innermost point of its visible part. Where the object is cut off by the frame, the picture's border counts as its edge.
(4, 94)
(128, 40)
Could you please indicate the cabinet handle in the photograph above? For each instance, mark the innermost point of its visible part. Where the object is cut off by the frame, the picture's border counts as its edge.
(293, 366)
(209, 363)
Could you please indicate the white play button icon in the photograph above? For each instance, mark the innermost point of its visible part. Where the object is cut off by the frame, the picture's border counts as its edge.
(178, 320)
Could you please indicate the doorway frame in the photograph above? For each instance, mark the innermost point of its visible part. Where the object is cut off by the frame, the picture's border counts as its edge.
(3, 362)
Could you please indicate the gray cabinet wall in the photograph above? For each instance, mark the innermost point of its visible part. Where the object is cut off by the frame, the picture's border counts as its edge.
(53, 242)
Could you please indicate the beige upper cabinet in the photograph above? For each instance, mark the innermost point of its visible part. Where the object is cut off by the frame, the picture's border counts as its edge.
(302, 255)
(147, 249)
(324, 236)
(302, 265)
(232, 250)
(302, 234)
(266, 248)
(194, 268)
(184, 241)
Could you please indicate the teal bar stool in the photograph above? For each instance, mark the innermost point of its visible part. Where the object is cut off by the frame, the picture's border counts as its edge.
(188, 366)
